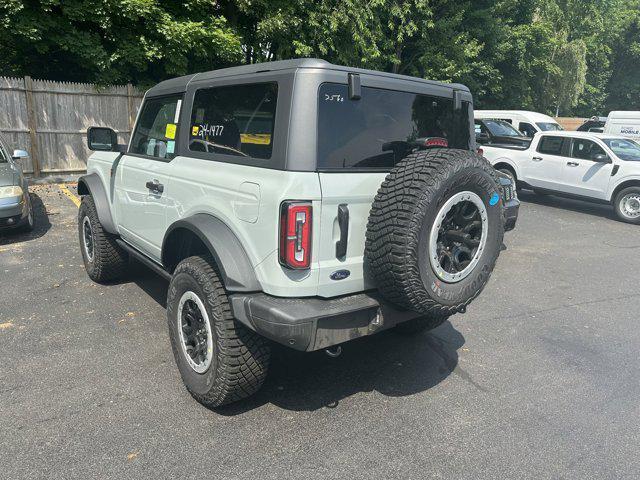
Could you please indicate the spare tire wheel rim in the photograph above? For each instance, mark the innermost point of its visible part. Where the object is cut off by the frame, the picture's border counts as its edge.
(630, 205)
(458, 237)
(196, 340)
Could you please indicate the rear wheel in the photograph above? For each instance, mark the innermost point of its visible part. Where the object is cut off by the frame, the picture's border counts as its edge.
(435, 231)
(103, 259)
(627, 205)
(220, 360)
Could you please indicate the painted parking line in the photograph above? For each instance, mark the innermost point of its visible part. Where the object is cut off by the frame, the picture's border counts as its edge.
(70, 194)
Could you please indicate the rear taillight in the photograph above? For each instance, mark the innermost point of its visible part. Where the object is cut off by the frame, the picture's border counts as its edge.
(480, 151)
(295, 234)
(436, 142)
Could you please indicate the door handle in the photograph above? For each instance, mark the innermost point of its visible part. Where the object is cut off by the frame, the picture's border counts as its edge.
(537, 159)
(573, 164)
(155, 186)
(343, 224)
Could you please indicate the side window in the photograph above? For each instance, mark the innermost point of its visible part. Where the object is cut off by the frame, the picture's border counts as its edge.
(5, 156)
(156, 130)
(235, 120)
(528, 129)
(551, 145)
(585, 149)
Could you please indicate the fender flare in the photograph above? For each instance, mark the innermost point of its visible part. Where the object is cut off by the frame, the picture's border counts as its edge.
(92, 185)
(237, 272)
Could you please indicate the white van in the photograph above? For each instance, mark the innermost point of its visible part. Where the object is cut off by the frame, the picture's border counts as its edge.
(622, 123)
(529, 123)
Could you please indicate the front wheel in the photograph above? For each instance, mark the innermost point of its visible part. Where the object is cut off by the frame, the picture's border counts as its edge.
(220, 360)
(627, 205)
(103, 258)
(30, 222)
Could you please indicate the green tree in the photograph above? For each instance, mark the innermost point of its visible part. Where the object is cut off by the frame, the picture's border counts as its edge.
(114, 40)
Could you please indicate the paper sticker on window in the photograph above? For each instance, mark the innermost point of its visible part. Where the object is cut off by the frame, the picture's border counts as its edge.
(170, 132)
(195, 130)
(171, 145)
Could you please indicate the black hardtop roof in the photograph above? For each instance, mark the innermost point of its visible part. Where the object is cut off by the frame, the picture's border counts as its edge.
(179, 84)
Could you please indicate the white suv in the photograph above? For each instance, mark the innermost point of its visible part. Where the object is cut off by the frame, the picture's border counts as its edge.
(596, 167)
(298, 202)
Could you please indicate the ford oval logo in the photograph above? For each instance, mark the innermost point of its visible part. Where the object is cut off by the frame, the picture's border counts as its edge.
(339, 274)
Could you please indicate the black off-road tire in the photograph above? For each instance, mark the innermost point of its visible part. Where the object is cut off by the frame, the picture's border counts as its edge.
(240, 358)
(617, 206)
(109, 260)
(420, 324)
(400, 223)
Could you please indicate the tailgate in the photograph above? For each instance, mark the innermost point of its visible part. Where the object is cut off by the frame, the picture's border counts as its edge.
(356, 191)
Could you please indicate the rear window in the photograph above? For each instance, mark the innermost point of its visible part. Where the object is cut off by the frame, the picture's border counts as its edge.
(378, 130)
(549, 126)
(551, 145)
(236, 120)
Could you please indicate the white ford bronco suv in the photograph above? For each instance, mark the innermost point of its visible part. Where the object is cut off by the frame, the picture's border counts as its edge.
(296, 202)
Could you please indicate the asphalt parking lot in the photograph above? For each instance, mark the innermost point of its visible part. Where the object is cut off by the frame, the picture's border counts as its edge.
(539, 379)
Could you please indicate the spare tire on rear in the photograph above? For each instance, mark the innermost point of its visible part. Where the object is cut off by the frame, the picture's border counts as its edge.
(435, 231)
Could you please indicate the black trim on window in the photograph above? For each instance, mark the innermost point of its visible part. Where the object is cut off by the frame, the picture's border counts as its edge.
(171, 156)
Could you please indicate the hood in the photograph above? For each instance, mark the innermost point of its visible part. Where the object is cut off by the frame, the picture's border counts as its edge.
(7, 175)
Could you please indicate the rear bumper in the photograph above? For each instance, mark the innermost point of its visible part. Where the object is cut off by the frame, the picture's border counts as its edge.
(315, 323)
(509, 201)
(511, 214)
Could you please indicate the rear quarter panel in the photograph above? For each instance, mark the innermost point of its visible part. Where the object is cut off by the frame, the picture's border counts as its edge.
(247, 199)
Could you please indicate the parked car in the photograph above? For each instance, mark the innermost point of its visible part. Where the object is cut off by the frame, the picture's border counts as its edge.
(16, 210)
(361, 206)
(594, 124)
(626, 124)
(595, 167)
(528, 123)
(499, 132)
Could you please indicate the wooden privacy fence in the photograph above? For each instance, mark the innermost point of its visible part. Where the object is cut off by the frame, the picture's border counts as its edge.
(50, 120)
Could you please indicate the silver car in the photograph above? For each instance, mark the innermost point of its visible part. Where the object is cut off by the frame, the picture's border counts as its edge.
(16, 210)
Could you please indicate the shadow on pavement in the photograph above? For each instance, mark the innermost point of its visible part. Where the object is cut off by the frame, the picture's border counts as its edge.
(389, 363)
(578, 206)
(42, 225)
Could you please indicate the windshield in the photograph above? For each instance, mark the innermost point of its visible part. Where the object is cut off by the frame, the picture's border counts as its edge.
(624, 149)
(501, 128)
(549, 126)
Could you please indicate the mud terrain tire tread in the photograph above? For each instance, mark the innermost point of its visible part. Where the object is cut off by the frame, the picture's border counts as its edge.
(241, 356)
(396, 218)
(109, 260)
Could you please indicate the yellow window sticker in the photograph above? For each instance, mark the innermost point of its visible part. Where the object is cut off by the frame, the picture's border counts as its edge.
(195, 130)
(170, 132)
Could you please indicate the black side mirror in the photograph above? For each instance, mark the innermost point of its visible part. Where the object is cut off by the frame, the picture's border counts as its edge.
(102, 139)
(482, 137)
(601, 158)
